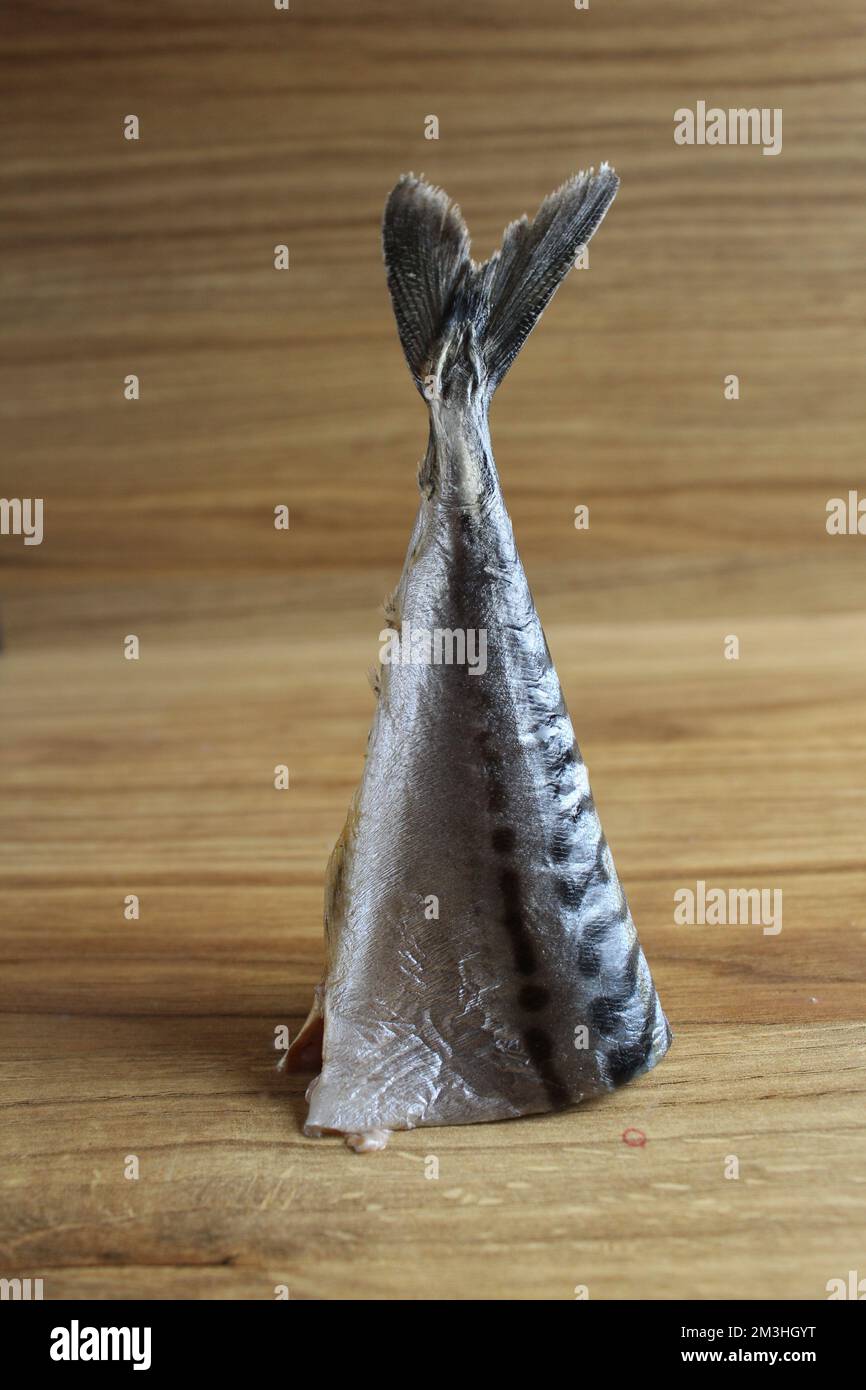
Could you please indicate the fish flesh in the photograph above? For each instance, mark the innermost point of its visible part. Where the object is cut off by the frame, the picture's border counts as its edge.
(481, 960)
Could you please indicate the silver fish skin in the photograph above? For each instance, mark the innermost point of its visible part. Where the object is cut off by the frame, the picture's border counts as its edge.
(482, 962)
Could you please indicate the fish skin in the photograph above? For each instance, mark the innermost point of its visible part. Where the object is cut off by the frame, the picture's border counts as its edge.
(473, 790)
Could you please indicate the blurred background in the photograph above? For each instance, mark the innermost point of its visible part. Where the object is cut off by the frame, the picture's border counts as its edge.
(262, 387)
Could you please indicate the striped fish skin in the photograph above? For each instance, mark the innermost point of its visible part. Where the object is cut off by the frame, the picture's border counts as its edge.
(482, 962)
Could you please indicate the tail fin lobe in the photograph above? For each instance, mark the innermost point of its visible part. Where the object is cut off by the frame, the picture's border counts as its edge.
(426, 248)
(521, 278)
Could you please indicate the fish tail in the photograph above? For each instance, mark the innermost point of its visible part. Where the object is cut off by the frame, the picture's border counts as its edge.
(442, 298)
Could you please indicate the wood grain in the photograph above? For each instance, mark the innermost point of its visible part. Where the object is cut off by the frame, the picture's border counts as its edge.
(155, 777)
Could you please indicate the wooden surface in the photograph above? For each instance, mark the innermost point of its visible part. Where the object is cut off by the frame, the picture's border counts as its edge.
(155, 1037)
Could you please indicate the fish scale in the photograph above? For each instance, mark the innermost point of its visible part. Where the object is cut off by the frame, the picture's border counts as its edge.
(482, 962)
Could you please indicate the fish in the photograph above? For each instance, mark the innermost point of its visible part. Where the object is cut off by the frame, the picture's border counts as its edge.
(481, 959)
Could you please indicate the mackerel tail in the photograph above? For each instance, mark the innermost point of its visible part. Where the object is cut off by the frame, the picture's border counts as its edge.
(481, 959)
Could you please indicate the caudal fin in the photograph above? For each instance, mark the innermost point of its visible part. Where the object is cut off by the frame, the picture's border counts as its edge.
(440, 295)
